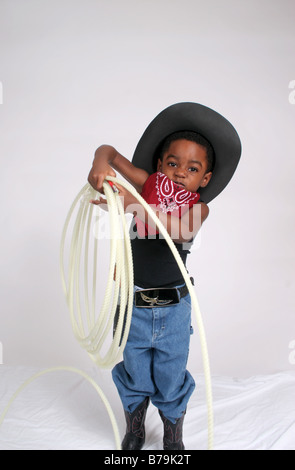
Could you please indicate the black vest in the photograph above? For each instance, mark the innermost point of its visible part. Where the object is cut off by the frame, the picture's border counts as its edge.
(153, 262)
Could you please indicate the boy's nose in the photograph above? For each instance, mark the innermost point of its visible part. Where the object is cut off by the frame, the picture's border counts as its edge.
(180, 172)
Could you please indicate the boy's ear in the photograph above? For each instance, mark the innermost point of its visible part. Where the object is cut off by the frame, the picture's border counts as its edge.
(159, 165)
(206, 179)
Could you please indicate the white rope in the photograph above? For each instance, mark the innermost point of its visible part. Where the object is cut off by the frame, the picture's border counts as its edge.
(99, 326)
(120, 256)
(85, 376)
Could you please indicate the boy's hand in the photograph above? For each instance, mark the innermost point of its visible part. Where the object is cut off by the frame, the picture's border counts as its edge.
(100, 202)
(98, 174)
(101, 167)
(128, 200)
(106, 160)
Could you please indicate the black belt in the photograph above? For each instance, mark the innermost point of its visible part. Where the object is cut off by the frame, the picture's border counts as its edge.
(153, 298)
(159, 297)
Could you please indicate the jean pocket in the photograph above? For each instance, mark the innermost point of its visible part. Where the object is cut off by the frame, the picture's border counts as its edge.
(187, 300)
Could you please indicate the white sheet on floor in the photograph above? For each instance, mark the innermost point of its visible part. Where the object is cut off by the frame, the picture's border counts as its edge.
(61, 410)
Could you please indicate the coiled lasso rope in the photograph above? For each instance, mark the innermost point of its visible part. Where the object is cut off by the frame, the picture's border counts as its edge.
(97, 330)
(93, 333)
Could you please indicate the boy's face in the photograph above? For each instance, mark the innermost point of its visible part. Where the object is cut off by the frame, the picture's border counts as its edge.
(185, 163)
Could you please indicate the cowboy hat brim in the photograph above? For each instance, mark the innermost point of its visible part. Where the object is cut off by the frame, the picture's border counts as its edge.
(205, 121)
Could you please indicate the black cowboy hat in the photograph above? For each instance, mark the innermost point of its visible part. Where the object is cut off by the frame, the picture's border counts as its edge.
(198, 118)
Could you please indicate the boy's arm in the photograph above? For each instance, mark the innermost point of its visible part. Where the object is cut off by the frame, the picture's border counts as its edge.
(185, 228)
(106, 160)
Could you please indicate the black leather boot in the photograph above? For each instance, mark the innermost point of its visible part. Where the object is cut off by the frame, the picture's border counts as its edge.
(135, 432)
(172, 439)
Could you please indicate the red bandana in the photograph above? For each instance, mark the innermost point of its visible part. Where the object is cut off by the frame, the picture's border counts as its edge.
(167, 196)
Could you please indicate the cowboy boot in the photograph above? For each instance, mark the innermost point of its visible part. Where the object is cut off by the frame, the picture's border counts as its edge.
(135, 432)
(172, 439)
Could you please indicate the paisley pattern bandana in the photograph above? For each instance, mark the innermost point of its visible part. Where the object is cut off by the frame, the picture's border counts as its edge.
(167, 196)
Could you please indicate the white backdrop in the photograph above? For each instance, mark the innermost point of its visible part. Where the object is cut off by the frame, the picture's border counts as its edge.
(76, 74)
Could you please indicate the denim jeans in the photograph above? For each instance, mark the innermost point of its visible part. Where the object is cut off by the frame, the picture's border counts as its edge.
(155, 359)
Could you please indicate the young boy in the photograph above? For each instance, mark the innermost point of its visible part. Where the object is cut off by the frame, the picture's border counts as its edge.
(155, 357)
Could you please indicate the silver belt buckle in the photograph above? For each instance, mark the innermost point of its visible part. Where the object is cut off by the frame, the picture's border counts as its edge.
(160, 300)
(155, 300)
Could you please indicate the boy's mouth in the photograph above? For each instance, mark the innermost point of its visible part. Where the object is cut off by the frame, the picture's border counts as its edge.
(179, 184)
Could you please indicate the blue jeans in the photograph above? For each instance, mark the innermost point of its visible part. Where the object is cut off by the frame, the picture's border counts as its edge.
(155, 359)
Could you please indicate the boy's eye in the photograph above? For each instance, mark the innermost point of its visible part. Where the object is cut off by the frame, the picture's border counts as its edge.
(172, 164)
(193, 169)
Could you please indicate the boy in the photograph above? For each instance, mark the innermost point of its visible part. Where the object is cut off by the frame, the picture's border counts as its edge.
(155, 356)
